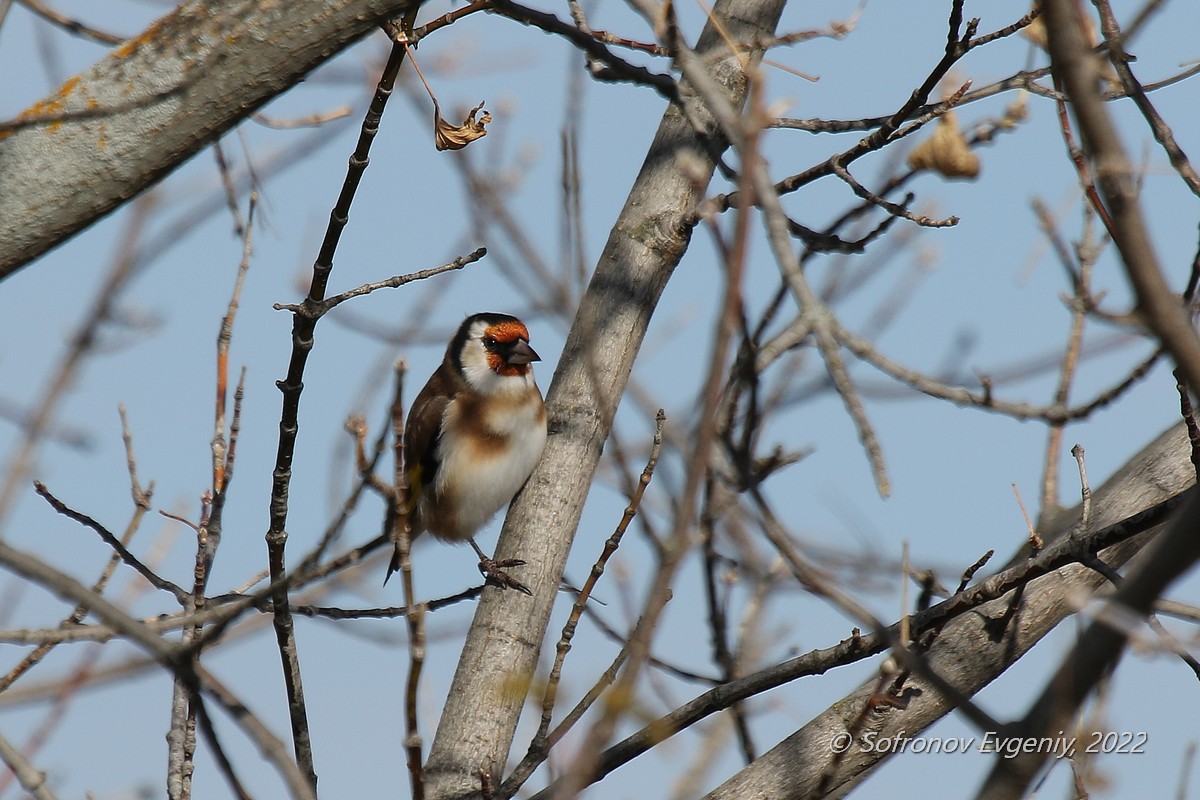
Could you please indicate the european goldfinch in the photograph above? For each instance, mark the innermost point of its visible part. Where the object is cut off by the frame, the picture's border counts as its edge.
(473, 435)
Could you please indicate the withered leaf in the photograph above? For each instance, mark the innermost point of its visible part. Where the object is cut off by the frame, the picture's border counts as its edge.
(946, 151)
(456, 137)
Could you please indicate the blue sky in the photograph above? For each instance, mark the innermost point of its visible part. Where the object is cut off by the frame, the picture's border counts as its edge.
(987, 287)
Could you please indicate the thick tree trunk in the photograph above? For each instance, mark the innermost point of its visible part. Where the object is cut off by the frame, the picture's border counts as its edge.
(153, 102)
(652, 233)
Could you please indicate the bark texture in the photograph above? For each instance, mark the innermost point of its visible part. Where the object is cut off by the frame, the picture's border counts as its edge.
(113, 130)
(481, 713)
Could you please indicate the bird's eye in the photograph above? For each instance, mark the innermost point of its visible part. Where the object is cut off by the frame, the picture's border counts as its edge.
(489, 342)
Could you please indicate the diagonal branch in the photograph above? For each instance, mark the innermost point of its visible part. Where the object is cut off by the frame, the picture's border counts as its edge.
(214, 63)
(971, 650)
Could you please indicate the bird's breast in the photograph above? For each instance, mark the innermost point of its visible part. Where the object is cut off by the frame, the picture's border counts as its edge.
(487, 451)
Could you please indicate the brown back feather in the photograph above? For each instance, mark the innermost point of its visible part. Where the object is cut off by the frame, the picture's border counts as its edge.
(422, 434)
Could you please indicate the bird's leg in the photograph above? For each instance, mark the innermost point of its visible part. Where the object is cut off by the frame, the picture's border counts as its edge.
(494, 570)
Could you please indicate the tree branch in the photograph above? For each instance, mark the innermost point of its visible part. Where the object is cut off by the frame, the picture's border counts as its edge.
(647, 242)
(971, 650)
(186, 80)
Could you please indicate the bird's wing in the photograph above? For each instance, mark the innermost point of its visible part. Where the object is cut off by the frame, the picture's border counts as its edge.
(422, 433)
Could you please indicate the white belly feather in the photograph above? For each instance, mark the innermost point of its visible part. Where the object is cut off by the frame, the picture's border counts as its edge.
(478, 476)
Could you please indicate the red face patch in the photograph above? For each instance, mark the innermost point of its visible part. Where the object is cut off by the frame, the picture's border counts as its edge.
(502, 367)
(508, 331)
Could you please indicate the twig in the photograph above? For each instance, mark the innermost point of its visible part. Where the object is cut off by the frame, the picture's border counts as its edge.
(239, 227)
(387, 613)
(970, 571)
(858, 647)
(1114, 41)
(1081, 286)
(1116, 182)
(309, 121)
(984, 398)
(1185, 770)
(1085, 514)
(316, 310)
(958, 43)
(717, 607)
(141, 497)
(71, 25)
(1035, 542)
(402, 32)
(31, 779)
(303, 326)
(718, 620)
(181, 736)
(895, 209)
(82, 344)
(1097, 650)
(399, 530)
(112, 541)
(224, 338)
(614, 68)
(87, 663)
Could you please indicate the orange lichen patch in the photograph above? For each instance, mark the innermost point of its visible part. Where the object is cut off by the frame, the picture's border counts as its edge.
(68, 86)
(508, 331)
(51, 105)
(134, 42)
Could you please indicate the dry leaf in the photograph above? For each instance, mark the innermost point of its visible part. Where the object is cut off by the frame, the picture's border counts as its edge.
(946, 152)
(456, 137)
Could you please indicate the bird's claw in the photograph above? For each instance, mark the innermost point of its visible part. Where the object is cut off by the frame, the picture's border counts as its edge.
(494, 572)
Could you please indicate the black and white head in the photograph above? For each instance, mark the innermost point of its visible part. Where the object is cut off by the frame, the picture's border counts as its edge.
(491, 351)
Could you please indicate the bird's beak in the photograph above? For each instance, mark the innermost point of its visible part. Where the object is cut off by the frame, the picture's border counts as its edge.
(521, 353)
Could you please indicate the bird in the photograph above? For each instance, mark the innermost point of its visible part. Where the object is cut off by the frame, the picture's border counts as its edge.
(473, 436)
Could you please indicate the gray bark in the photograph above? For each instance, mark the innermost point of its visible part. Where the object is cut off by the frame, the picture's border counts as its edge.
(110, 132)
(967, 654)
(652, 233)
